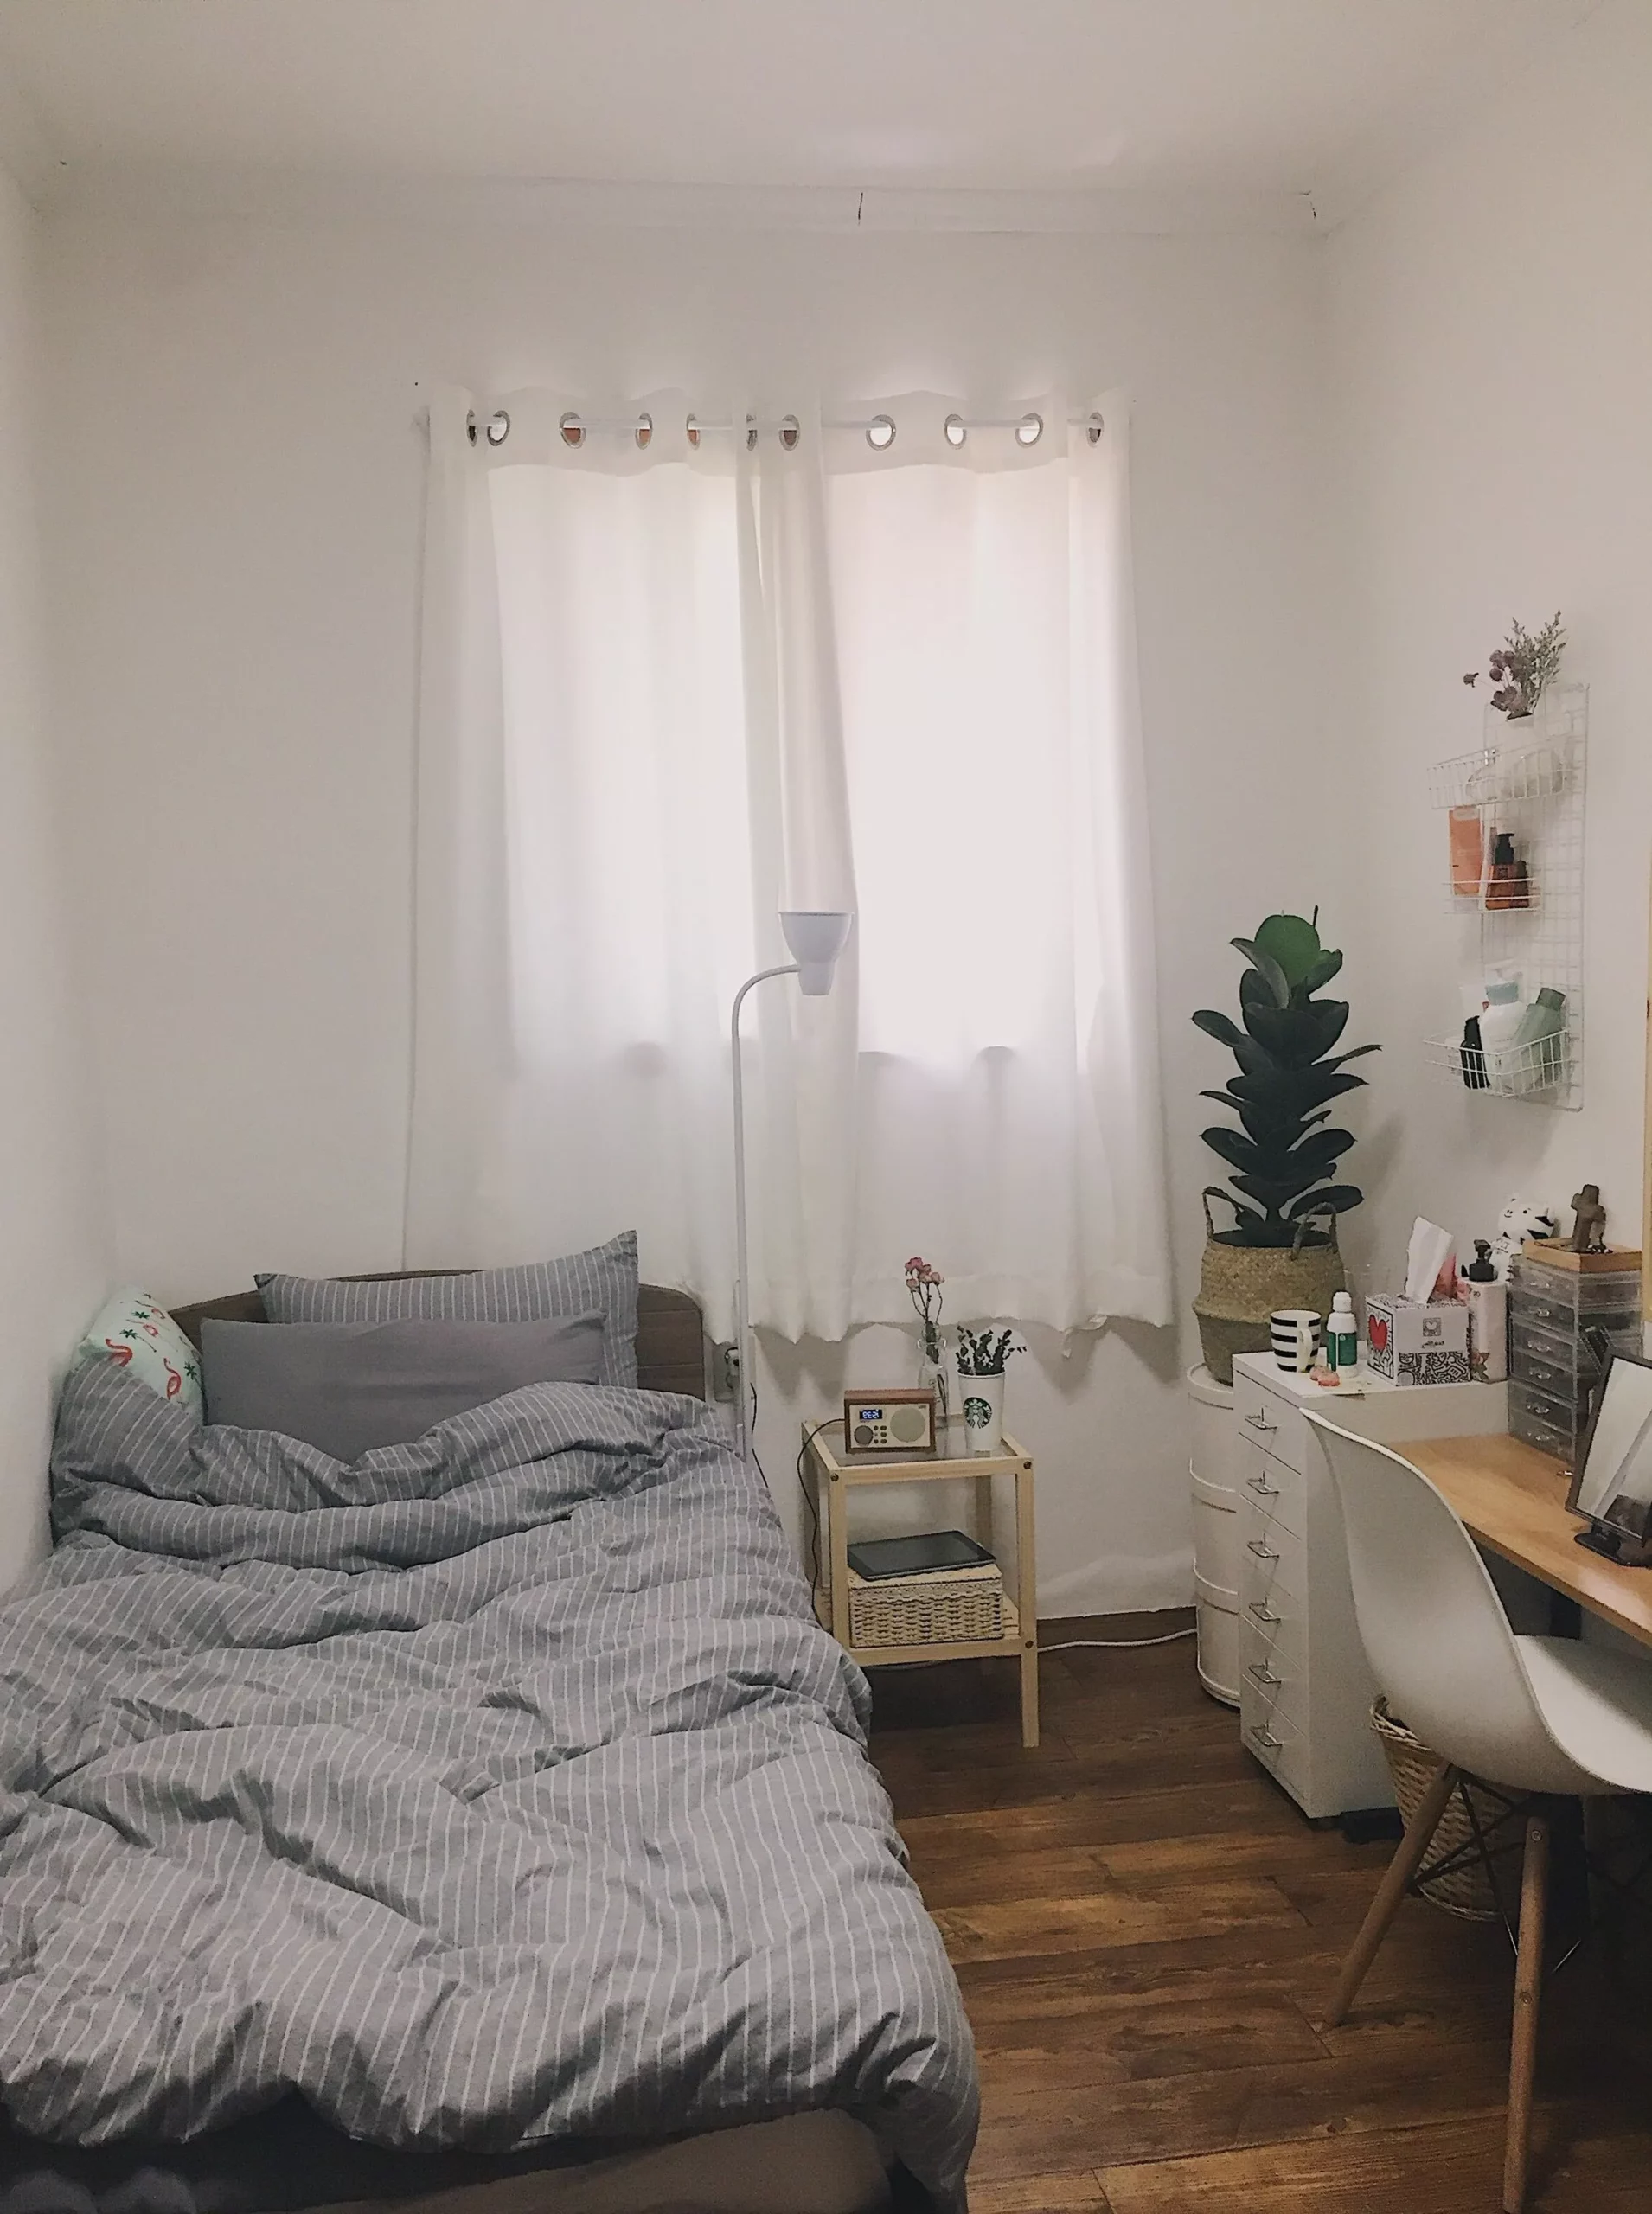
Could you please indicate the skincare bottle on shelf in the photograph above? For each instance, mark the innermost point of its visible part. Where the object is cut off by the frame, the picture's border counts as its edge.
(1499, 1020)
(1540, 1040)
(1473, 1055)
(1487, 1317)
(1508, 883)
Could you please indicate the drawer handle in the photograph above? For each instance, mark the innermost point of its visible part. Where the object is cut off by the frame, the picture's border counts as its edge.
(1261, 1421)
(1262, 1675)
(1261, 1487)
(1264, 1614)
(1259, 1736)
(1263, 1552)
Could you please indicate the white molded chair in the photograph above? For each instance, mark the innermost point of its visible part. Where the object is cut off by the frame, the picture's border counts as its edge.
(1539, 1715)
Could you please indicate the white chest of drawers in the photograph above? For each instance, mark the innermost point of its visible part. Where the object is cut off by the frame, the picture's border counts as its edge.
(1305, 1687)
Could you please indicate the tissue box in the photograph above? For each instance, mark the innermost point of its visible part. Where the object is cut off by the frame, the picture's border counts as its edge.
(1411, 1342)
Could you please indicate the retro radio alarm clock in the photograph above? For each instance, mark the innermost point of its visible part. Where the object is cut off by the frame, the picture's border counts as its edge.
(899, 1422)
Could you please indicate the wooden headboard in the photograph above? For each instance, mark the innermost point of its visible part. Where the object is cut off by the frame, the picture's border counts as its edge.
(670, 1329)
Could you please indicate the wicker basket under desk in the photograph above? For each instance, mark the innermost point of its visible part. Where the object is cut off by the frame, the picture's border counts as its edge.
(937, 1607)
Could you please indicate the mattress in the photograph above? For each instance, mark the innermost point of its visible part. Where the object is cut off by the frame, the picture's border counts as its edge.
(287, 2161)
(492, 1793)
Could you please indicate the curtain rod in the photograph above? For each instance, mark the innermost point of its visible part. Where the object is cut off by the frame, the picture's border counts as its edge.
(879, 430)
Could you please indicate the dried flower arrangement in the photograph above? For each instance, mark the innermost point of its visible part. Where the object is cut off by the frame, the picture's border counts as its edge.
(1523, 667)
(982, 1353)
(924, 1289)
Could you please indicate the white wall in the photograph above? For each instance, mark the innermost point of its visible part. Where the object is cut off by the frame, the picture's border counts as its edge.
(236, 498)
(1491, 334)
(55, 1271)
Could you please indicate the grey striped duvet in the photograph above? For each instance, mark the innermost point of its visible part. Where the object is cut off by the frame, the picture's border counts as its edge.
(495, 1787)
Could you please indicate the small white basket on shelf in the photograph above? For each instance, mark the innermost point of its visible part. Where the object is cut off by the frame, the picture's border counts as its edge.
(1505, 776)
(1508, 1072)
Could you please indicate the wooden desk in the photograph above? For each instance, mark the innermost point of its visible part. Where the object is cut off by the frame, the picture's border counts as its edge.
(1513, 1499)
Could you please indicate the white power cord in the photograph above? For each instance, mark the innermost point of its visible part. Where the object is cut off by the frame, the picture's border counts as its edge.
(1117, 1644)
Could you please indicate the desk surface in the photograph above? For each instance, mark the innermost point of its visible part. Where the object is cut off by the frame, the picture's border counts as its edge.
(1514, 1500)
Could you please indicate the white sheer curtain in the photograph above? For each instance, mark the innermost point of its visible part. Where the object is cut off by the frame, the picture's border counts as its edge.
(668, 688)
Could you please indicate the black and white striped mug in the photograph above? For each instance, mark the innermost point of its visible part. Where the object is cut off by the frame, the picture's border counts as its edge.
(1294, 1334)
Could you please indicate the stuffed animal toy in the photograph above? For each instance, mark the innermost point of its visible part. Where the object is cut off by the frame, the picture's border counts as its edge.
(1519, 1220)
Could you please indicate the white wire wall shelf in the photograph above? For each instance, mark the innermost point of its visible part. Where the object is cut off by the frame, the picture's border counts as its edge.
(1526, 783)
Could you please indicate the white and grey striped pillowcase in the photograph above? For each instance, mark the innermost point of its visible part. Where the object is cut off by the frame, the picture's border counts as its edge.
(603, 1277)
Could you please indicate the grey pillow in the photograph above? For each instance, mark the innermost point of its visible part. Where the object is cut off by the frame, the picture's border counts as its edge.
(602, 1280)
(347, 1387)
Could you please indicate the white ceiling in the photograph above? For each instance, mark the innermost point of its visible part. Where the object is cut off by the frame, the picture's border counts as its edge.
(1261, 101)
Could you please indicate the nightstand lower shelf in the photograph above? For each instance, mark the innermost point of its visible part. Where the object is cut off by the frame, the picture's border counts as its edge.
(835, 1478)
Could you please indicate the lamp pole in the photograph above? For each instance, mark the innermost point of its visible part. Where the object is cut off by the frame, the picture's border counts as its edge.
(817, 936)
(742, 1294)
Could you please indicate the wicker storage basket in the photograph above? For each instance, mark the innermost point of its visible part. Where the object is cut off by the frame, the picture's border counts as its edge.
(1240, 1286)
(942, 1607)
(1464, 1890)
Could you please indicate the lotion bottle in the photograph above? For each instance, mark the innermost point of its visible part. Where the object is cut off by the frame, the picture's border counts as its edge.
(1487, 1317)
(1500, 1019)
(1342, 1335)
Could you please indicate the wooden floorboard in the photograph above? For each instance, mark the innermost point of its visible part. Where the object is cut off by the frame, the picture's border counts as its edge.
(1146, 1932)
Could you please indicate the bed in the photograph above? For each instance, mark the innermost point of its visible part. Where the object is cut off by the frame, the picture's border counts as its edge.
(486, 1824)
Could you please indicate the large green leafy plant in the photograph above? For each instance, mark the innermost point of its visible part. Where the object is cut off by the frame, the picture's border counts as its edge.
(1284, 1154)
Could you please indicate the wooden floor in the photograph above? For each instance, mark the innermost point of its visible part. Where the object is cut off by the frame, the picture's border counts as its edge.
(1147, 1932)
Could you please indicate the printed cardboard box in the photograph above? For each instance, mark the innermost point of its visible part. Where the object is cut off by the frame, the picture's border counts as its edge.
(1412, 1342)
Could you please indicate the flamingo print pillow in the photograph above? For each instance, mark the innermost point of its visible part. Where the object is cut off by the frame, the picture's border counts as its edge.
(131, 1330)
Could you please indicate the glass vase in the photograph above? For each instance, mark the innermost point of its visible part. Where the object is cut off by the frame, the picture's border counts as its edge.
(933, 1376)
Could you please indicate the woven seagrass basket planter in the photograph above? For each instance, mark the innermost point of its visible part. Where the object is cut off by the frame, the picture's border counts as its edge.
(1466, 1889)
(1240, 1286)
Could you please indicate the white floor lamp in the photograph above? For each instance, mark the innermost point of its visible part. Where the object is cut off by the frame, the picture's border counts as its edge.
(817, 936)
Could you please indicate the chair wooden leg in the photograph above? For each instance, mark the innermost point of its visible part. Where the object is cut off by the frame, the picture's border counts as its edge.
(1400, 1870)
(1528, 1988)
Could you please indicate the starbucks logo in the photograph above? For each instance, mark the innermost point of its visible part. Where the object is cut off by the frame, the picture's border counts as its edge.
(977, 1412)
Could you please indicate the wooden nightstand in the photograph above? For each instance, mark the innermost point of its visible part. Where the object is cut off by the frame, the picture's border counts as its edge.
(834, 1479)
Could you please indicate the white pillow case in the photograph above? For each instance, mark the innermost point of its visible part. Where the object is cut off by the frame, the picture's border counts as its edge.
(130, 1329)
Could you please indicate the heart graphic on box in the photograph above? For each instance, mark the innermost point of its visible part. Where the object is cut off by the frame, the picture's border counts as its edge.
(1379, 1333)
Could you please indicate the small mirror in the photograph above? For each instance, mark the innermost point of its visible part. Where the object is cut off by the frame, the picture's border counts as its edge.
(1613, 1486)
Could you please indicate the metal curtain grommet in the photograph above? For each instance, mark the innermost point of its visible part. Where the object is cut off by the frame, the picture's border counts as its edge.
(691, 425)
(1029, 430)
(791, 431)
(470, 427)
(880, 433)
(573, 430)
(750, 434)
(956, 430)
(1093, 428)
(645, 430)
(498, 427)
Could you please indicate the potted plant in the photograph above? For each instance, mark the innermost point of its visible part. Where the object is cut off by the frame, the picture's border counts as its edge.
(983, 1355)
(1282, 1250)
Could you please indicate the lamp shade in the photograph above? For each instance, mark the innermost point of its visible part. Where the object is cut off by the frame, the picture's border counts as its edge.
(816, 936)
